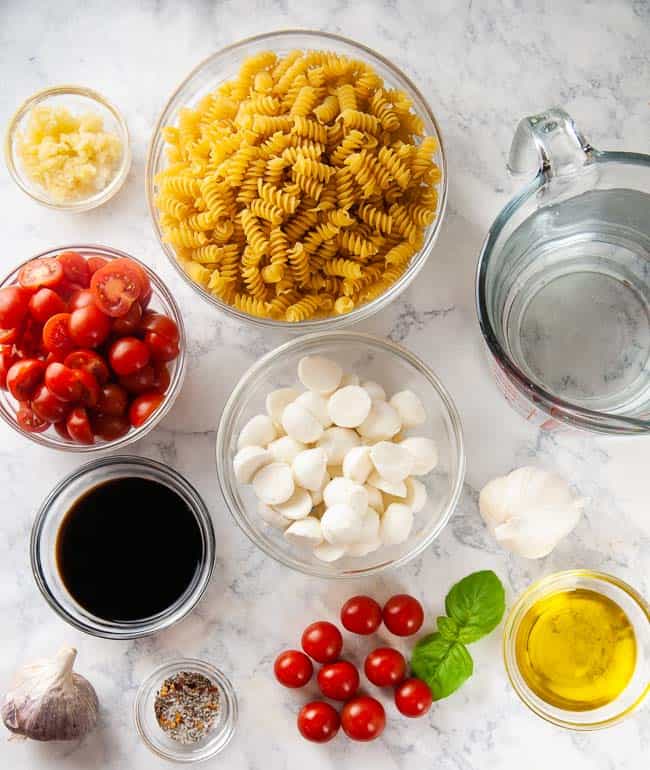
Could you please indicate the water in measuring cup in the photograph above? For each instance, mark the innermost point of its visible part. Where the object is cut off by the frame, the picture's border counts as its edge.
(576, 313)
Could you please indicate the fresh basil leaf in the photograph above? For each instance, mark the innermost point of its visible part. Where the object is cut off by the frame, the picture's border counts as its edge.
(443, 664)
(476, 603)
(448, 628)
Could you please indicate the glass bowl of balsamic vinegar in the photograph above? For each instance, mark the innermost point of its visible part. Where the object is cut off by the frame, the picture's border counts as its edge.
(122, 547)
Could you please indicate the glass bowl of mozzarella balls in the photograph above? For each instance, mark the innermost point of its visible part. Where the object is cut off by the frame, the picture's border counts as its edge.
(340, 455)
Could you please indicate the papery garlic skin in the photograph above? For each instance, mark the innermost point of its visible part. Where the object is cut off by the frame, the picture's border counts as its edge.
(49, 702)
(530, 510)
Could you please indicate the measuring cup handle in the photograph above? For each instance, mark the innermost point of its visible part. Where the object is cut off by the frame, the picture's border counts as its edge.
(548, 143)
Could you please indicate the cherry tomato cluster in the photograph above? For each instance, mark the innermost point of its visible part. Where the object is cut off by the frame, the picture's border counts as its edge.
(80, 350)
(363, 718)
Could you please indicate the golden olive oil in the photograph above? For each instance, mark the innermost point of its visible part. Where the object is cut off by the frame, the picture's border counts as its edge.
(576, 649)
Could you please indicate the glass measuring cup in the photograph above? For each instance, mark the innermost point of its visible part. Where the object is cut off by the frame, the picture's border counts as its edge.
(563, 283)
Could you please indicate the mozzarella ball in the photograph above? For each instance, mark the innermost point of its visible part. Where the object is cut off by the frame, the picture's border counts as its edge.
(285, 449)
(341, 524)
(416, 495)
(349, 379)
(309, 468)
(316, 496)
(375, 498)
(320, 374)
(272, 517)
(342, 490)
(363, 549)
(258, 431)
(392, 461)
(425, 454)
(348, 407)
(298, 506)
(396, 524)
(374, 390)
(306, 533)
(398, 489)
(409, 407)
(337, 442)
(277, 400)
(357, 465)
(300, 424)
(369, 539)
(381, 424)
(328, 552)
(248, 461)
(316, 405)
(273, 483)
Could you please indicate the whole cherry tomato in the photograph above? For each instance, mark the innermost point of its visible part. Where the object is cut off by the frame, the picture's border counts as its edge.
(140, 381)
(61, 429)
(361, 615)
(44, 304)
(89, 361)
(63, 382)
(56, 334)
(413, 698)
(110, 427)
(7, 359)
(47, 406)
(94, 263)
(163, 377)
(24, 377)
(127, 355)
(30, 340)
(293, 668)
(318, 721)
(75, 267)
(403, 615)
(160, 324)
(14, 305)
(385, 667)
(143, 406)
(78, 426)
(45, 271)
(29, 420)
(322, 641)
(113, 400)
(339, 680)
(363, 718)
(162, 348)
(129, 323)
(117, 286)
(89, 327)
(81, 298)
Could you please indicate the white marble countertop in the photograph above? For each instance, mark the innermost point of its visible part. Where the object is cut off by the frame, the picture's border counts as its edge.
(482, 66)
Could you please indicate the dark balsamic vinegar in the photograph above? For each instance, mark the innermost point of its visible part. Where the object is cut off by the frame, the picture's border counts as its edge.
(128, 549)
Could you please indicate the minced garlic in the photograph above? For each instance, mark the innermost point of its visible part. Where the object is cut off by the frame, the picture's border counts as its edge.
(70, 157)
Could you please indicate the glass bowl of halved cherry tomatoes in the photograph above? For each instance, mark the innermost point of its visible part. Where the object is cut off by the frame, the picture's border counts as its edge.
(92, 349)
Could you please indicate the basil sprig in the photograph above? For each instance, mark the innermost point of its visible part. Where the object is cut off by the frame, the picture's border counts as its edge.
(475, 607)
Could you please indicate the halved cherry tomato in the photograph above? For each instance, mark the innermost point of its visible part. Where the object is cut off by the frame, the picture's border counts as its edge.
(90, 391)
(7, 336)
(44, 304)
(56, 334)
(145, 283)
(14, 305)
(89, 327)
(142, 380)
(127, 355)
(163, 376)
(144, 406)
(7, 359)
(61, 429)
(161, 348)
(24, 377)
(129, 323)
(113, 400)
(116, 286)
(78, 426)
(45, 271)
(75, 267)
(29, 420)
(90, 362)
(68, 289)
(110, 427)
(160, 324)
(81, 298)
(47, 406)
(94, 263)
(63, 382)
(30, 340)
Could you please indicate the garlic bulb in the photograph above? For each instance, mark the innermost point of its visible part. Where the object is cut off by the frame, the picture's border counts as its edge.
(530, 510)
(49, 702)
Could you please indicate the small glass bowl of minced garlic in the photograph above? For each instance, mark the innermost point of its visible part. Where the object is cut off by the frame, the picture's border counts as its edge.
(576, 646)
(67, 147)
(186, 711)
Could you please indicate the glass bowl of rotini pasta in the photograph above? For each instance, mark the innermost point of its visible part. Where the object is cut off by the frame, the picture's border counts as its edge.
(371, 359)
(297, 180)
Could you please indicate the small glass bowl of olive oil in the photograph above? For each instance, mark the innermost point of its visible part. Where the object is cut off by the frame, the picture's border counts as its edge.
(577, 649)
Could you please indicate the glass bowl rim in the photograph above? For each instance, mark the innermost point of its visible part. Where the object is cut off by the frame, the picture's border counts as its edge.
(101, 196)
(363, 311)
(226, 690)
(160, 289)
(224, 472)
(136, 629)
(511, 626)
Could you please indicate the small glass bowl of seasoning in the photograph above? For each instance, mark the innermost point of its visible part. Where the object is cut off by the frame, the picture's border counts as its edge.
(576, 647)
(123, 547)
(67, 147)
(186, 711)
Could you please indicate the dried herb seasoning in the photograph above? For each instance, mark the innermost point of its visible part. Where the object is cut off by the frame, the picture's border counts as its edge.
(187, 706)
